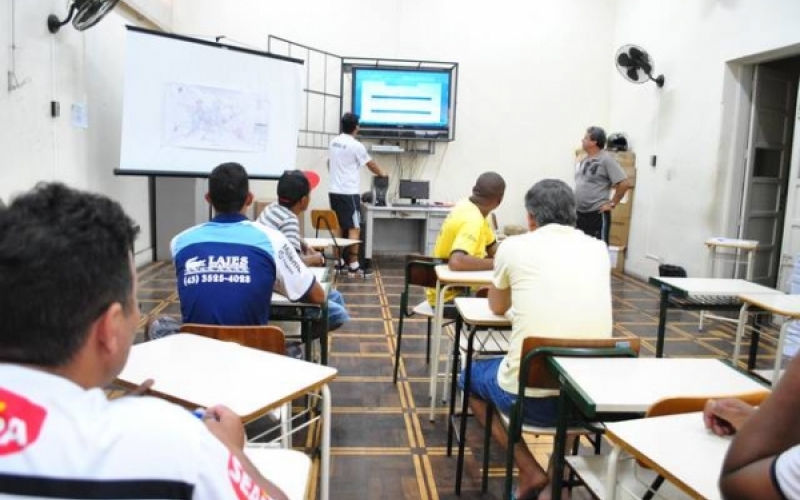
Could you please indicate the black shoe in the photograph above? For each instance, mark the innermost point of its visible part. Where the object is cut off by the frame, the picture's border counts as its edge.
(368, 273)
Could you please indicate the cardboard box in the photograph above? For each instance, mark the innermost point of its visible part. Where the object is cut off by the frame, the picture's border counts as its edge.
(630, 172)
(622, 212)
(624, 158)
(618, 235)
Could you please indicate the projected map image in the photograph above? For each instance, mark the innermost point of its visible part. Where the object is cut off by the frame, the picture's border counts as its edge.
(201, 117)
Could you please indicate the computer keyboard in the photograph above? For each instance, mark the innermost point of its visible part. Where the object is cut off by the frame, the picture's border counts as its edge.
(386, 148)
(409, 205)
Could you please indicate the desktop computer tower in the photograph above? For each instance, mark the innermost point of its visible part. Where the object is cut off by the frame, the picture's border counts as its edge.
(380, 189)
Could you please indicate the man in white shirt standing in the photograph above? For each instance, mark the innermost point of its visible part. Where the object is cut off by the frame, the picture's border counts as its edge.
(346, 156)
(542, 277)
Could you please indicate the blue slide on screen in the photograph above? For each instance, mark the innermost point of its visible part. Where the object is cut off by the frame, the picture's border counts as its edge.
(402, 98)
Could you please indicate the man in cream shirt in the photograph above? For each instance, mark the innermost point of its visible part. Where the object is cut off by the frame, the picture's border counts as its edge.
(555, 282)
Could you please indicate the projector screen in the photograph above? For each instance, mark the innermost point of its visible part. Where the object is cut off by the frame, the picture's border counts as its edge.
(189, 105)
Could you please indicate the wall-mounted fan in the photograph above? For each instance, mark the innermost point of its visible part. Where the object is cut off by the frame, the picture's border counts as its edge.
(636, 66)
(87, 13)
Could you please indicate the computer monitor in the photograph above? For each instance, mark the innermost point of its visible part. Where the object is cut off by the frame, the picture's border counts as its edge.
(414, 190)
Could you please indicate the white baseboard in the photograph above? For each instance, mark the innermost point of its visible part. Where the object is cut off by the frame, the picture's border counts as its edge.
(143, 257)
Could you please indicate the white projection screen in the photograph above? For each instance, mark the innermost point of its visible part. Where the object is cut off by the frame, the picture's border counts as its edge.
(189, 105)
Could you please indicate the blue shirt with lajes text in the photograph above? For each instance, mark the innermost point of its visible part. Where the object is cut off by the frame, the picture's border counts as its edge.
(227, 269)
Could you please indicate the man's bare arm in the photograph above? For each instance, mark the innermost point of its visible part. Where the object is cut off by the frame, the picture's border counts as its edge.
(460, 261)
(499, 299)
(376, 169)
(227, 427)
(315, 295)
(770, 431)
(620, 189)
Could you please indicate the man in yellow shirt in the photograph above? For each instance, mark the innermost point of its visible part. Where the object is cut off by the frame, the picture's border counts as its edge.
(466, 238)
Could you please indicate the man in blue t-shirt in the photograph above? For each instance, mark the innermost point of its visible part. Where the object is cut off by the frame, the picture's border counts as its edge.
(227, 267)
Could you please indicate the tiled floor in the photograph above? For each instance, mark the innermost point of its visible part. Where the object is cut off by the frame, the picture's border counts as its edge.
(384, 447)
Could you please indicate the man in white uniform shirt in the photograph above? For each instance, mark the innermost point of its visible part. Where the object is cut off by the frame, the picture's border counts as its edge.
(69, 317)
(555, 281)
(346, 156)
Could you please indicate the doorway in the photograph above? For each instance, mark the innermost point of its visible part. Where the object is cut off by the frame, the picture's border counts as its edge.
(770, 186)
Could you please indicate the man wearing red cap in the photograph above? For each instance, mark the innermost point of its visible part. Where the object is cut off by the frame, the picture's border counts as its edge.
(294, 195)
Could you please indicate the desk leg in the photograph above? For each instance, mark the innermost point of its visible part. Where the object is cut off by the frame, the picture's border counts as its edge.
(453, 389)
(611, 472)
(323, 336)
(325, 451)
(306, 334)
(739, 332)
(368, 239)
(779, 351)
(662, 321)
(755, 340)
(559, 445)
(436, 341)
(462, 429)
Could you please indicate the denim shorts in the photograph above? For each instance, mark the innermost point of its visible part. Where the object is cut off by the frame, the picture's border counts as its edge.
(539, 412)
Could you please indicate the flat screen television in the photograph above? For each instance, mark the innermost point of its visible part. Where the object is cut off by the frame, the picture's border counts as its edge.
(390, 101)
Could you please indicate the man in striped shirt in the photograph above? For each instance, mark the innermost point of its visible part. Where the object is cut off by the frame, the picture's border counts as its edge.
(294, 196)
(294, 189)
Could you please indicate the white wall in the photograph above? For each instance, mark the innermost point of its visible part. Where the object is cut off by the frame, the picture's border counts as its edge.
(69, 67)
(689, 124)
(533, 75)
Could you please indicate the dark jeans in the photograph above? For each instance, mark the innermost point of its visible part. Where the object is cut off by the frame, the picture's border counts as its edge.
(595, 224)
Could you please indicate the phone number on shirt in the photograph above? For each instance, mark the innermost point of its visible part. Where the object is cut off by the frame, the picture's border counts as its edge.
(215, 278)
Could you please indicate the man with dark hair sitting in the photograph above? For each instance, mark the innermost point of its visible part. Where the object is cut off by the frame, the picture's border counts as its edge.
(227, 268)
(294, 195)
(466, 238)
(69, 317)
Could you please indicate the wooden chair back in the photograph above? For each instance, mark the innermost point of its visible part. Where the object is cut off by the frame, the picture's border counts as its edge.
(674, 406)
(325, 219)
(421, 270)
(535, 351)
(678, 405)
(263, 337)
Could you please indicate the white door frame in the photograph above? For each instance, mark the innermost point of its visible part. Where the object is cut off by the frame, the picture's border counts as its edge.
(738, 91)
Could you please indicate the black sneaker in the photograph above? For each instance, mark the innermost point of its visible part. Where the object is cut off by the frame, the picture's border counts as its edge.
(368, 273)
(294, 350)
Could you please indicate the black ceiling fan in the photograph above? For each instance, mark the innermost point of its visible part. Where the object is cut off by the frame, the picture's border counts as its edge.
(86, 14)
(635, 64)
